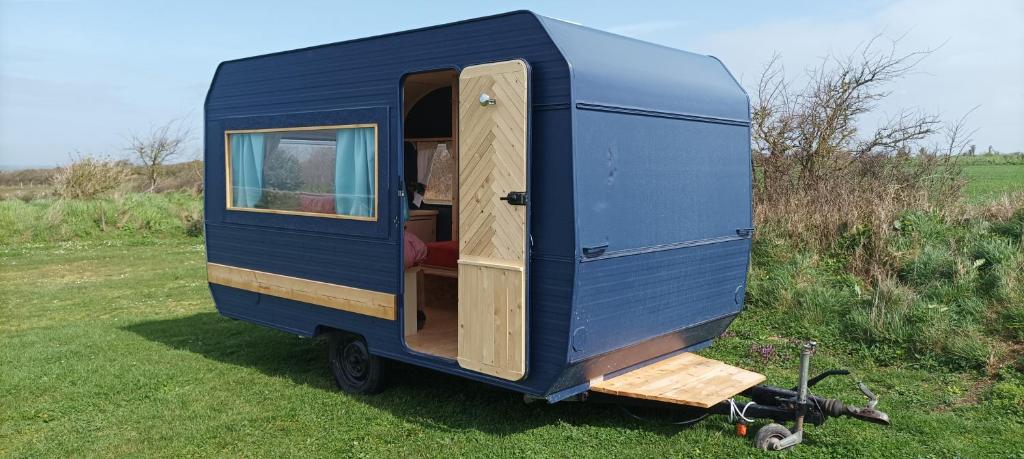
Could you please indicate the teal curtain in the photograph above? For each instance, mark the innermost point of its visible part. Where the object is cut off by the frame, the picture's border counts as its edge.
(354, 179)
(246, 169)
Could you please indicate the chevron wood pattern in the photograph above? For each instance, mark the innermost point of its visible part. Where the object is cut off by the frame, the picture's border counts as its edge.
(492, 233)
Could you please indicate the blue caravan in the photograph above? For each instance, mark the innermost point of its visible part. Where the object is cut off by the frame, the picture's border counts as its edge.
(513, 199)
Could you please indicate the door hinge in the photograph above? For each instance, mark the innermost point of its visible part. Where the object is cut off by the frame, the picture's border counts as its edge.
(515, 198)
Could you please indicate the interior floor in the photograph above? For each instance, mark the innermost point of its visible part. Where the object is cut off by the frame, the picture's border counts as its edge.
(430, 131)
(439, 335)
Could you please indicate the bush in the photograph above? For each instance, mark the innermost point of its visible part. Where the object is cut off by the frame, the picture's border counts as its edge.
(193, 224)
(88, 178)
(956, 292)
(128, 215)
(824, 180)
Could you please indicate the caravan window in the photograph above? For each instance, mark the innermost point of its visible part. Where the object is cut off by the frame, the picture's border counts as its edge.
(321, 171)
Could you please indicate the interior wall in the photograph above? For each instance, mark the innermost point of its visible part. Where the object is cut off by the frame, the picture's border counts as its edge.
(416, 88)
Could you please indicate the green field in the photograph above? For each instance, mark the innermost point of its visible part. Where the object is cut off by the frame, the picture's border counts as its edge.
(114, 348)
(990, 177)
(110, 346)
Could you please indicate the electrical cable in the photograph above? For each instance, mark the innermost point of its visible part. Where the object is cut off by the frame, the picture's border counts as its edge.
(679, 423)
(735, 412)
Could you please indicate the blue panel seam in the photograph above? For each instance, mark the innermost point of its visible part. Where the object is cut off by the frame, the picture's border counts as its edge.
(663, 247)
(659, 114)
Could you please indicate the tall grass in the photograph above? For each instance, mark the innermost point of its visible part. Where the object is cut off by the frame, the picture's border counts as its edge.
(127, 215)
(186, 176)
(954, 298)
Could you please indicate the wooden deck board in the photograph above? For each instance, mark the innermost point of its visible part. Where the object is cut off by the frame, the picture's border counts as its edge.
(684, 379)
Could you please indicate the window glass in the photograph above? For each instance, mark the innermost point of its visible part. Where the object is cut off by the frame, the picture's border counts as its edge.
(323, 171)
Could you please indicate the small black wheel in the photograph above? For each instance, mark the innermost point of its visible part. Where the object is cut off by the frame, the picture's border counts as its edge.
(355, 370)
(769, 436)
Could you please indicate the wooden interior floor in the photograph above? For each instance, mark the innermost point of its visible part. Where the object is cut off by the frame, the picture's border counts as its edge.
(440, 334)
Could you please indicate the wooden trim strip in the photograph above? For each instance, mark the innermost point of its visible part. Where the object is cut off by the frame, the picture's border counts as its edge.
(302, 128)
(438, 271)
(376, 172)
(487, 262)
(367, 302)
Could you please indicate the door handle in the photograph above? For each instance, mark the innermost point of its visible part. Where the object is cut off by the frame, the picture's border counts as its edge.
(515, 198)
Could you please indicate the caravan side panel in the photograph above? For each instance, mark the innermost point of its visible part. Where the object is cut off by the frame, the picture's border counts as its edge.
(359, 82)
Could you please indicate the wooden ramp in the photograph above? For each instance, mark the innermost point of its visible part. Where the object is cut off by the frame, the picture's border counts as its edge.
(684, 379)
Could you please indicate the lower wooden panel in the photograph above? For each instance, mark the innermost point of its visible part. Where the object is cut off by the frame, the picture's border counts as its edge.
(684, 379)
(367, 302)
(492, 332)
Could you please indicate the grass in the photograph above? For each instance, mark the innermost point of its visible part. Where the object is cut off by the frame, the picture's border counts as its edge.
(123, 216)
(989, 177)
(113, 348)
(110, 346)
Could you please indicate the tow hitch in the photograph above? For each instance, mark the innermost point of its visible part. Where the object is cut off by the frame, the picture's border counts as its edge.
(800, 406)
(796, 405)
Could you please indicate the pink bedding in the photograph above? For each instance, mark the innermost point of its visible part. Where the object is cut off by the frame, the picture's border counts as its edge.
(415, 250)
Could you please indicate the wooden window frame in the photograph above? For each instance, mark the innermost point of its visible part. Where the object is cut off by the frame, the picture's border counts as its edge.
(376, 171)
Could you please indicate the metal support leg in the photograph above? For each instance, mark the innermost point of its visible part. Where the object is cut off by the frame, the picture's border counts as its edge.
(801, 395)
(801, 398)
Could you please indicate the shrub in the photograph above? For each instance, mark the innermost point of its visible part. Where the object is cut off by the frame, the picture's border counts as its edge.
(193, 222)
(821, 178)
(88, 177)
(128, 215)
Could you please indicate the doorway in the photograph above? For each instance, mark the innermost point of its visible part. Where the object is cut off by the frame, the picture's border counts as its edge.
(483, 187)
(430, 136)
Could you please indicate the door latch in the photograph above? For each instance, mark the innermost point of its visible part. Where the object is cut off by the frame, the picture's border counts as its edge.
(515, 198)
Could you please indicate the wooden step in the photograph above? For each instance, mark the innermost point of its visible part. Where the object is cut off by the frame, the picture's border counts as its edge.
(684, 379)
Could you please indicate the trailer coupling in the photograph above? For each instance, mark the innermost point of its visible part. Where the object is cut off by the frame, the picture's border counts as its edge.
(782, 405)
(796, 405)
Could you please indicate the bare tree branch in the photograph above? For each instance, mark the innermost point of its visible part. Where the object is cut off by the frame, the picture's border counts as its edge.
(821, 173)
(158, 147)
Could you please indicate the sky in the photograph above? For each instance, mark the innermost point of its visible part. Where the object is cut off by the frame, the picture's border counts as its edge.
(80, 77)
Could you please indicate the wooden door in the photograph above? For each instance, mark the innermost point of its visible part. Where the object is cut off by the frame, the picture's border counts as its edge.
(492, 231)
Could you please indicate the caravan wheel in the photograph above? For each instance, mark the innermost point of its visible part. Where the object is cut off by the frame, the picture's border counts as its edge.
(355, 370)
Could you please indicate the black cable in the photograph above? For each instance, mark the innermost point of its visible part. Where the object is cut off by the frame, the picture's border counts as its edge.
(680, 423)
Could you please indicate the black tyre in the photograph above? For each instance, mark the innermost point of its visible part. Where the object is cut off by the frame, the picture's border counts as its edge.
(768, 437)
(355, 370)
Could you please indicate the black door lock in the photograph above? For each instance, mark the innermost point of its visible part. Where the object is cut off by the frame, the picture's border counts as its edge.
(515, 198)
